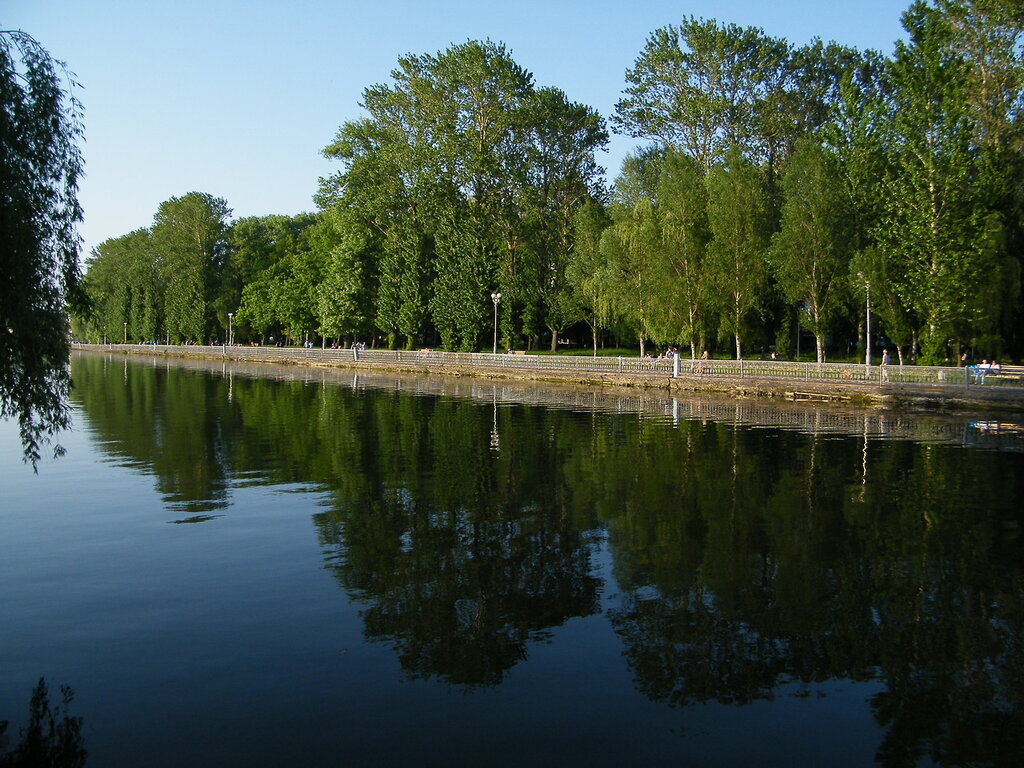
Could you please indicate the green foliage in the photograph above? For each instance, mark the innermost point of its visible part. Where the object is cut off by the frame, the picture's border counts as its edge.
(585, 271)
(811, 249)
(470, 178)
(936, 225)
(40, 128)
(189, 242)
(631, 243)
(682, 292)
(736, 264)
(341, 301)
(703, 87)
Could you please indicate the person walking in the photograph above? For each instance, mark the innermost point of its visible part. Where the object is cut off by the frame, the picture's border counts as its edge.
(885, 365)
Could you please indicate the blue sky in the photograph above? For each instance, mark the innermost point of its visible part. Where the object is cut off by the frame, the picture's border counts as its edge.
(237, 97)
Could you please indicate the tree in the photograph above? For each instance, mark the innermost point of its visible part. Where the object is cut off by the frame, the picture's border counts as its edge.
(811, 250)
(937, 226)
(254, 245)
(40, 127)
(467, 178)
(703, 87)
(737, 257)
(341, 297)
(558, 174)
(631, 244)
(683, 218)
(189, 243)
(586, 270)
(125, 288)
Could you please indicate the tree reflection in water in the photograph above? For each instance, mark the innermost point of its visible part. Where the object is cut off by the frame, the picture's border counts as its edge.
(752, 547)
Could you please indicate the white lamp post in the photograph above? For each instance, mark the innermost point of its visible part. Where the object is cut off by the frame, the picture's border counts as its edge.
(496, 298)
(230, 339)
(126, 333)
(867, 335)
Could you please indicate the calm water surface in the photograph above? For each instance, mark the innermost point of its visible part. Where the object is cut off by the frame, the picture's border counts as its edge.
(320, 568)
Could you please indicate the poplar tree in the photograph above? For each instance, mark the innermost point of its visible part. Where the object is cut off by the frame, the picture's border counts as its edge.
(737, 263)
(189, 243)
(631, 244)
(811, 250)
(586, 270)
(936, 228)
(683, 224)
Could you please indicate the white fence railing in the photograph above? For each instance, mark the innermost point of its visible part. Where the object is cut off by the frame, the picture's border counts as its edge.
(851, 373)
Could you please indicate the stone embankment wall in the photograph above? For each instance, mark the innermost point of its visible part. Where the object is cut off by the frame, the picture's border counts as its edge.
(899, 387)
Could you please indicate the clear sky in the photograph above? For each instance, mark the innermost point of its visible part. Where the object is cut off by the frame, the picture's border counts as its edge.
(237, 97)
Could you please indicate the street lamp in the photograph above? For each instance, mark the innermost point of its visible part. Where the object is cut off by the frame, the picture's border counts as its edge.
(230, 339)
(867, 336)
(496, 298)
(126, 333)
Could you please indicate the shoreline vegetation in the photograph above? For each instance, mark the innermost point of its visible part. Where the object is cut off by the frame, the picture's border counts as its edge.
(783, 195)
(897, 395)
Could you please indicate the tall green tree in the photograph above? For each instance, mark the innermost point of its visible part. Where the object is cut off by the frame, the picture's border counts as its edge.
(126, 289)
(586, 272)
(388, 191)
(254, 245)
(40, 129)
(811, 250)
(342, 301)
(468, 177)
(737, 260)
(189, 242)
(703, 87)
(937, 226)
(682, 285)
(631, 244)
(558, 173)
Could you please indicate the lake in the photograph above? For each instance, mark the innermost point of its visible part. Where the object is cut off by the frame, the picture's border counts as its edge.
(258, 566)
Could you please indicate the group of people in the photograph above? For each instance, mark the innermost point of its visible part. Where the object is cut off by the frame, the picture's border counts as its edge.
(986, 368)
(669, 353)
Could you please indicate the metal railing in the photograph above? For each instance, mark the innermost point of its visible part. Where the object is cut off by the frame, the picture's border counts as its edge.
(848, 373)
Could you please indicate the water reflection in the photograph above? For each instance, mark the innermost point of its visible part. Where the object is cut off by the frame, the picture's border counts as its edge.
(753, 546)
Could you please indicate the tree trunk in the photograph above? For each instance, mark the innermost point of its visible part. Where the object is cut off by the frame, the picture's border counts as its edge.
(819, 341)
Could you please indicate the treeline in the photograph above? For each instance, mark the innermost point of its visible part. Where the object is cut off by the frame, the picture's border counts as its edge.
(780, 188)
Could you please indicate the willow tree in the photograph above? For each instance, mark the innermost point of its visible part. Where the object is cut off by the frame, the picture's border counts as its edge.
(40, 127)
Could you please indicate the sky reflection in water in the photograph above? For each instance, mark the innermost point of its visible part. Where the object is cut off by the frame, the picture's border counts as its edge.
(233, 568)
